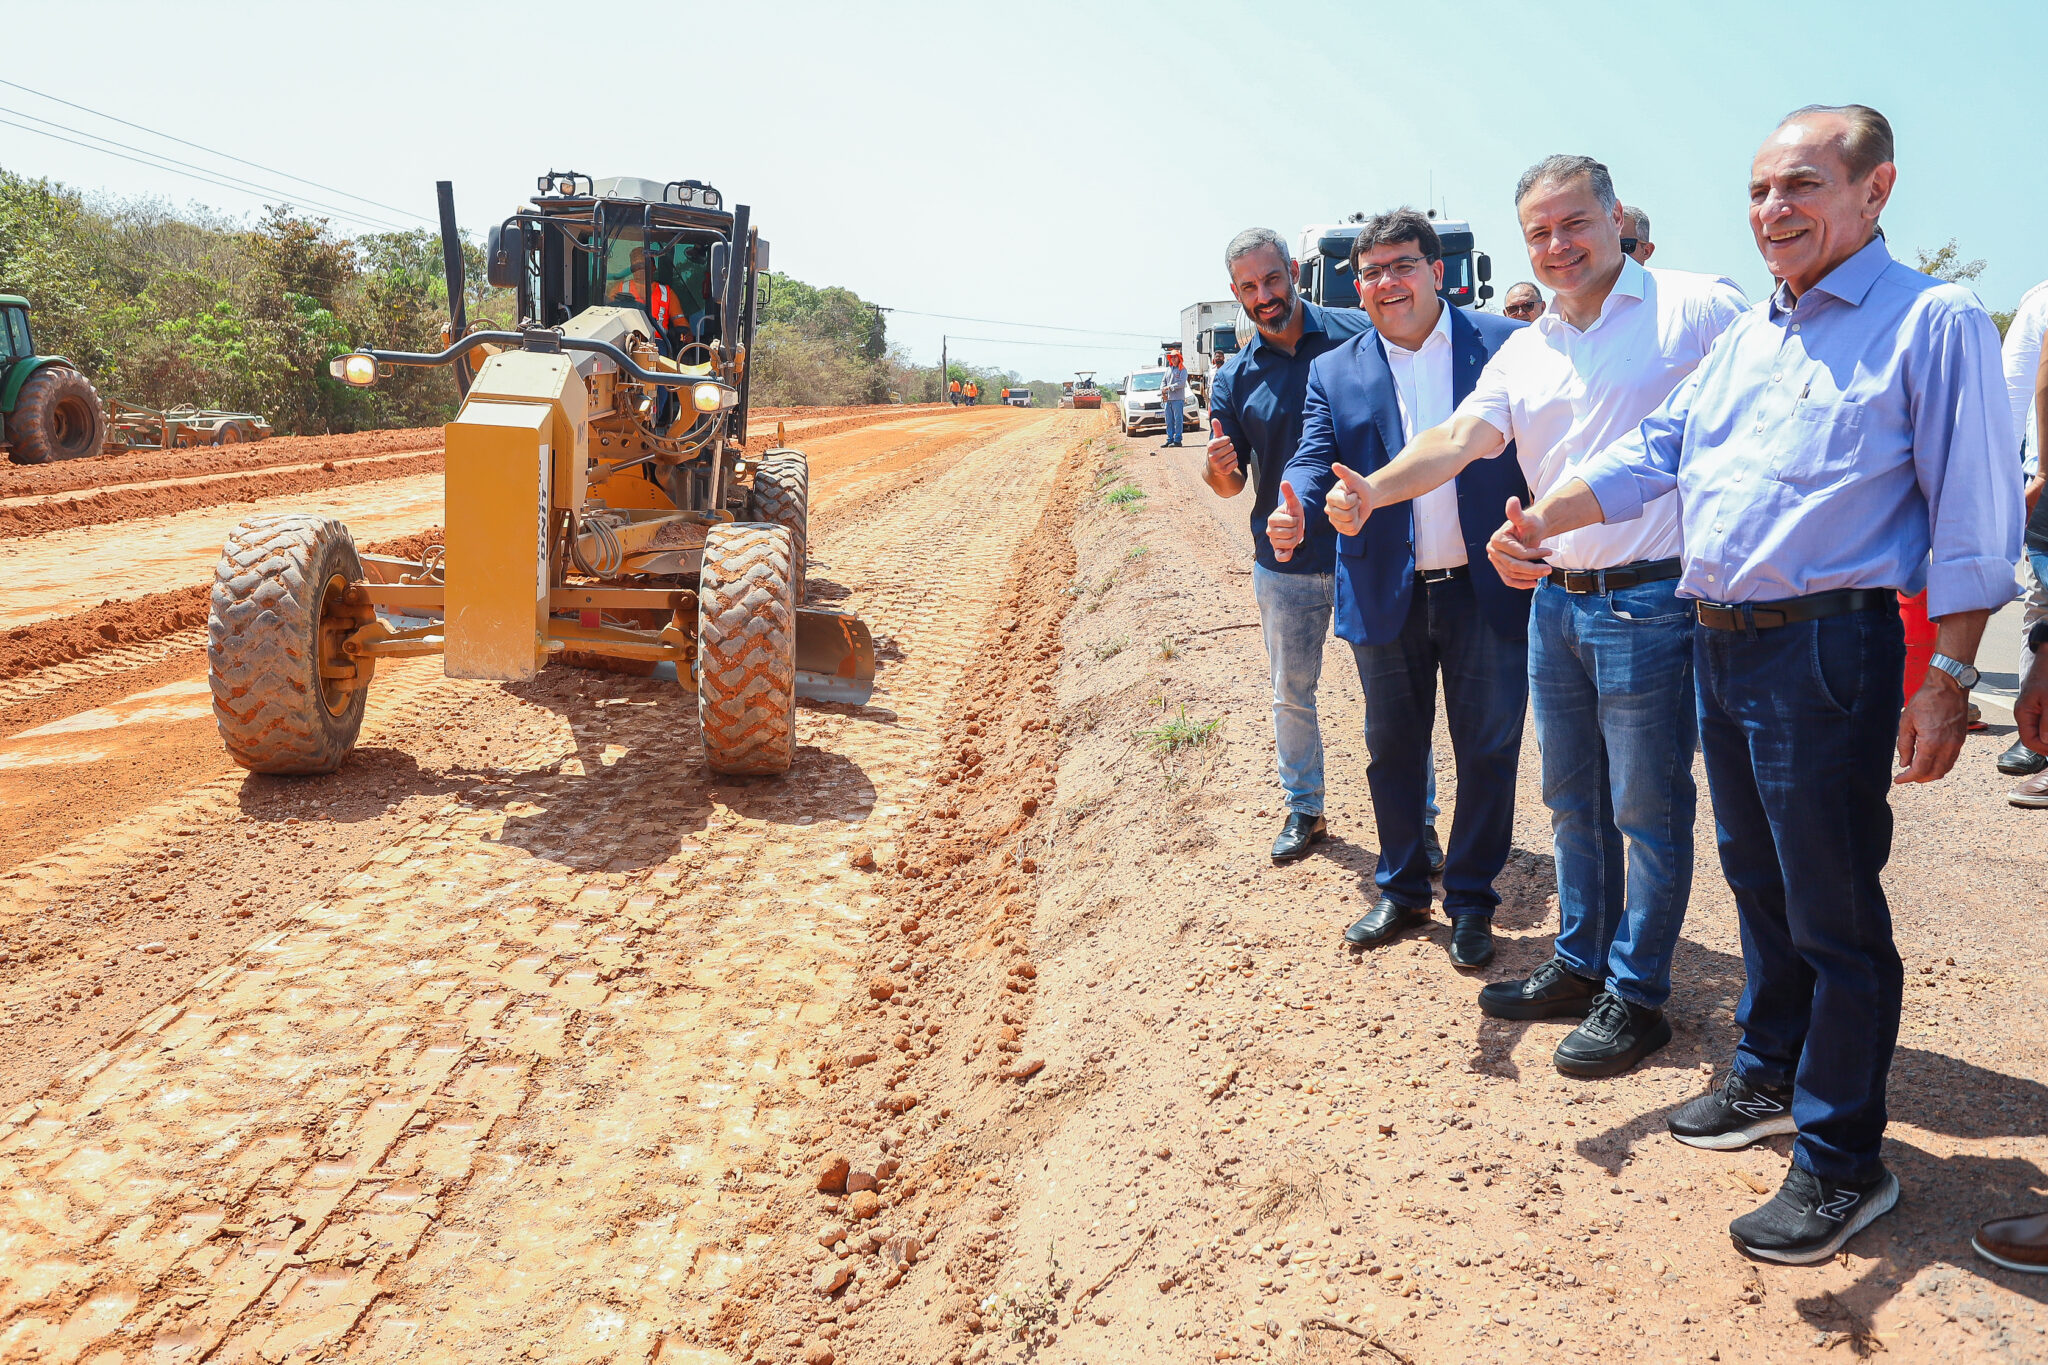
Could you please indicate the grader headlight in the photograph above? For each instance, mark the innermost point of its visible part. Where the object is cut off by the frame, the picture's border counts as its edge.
(707, 397)
(356, 371)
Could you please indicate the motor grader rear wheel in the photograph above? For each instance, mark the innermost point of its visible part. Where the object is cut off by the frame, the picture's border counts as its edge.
(746, 649)
(782, 497)
(274, 632)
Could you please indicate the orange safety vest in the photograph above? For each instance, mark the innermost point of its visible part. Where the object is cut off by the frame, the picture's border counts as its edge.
(665, 313)
(954, 386)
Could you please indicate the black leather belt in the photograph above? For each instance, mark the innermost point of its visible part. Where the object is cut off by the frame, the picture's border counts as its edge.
(1442, 575)
(1764, 615)
(1611, 580)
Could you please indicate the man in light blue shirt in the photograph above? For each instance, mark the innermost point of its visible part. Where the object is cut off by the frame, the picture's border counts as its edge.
(1844, 442)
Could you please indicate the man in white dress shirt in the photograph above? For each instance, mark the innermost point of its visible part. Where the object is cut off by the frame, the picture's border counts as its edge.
(1610, 643)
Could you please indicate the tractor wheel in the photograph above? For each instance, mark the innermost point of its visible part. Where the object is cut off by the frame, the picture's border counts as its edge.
(274, 633)
(230, 434)
(782, 497)
(746, 649)
(58, 416)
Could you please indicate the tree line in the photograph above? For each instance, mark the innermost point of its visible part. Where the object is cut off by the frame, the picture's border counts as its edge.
(162, 306)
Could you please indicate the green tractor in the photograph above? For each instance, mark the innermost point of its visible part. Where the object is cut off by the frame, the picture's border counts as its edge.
(48, 410)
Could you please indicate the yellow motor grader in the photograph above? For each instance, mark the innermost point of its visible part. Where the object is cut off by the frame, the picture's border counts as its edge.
(603, 499)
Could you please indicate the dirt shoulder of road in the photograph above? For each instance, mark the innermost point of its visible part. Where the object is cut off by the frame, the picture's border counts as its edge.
(1184, 1123)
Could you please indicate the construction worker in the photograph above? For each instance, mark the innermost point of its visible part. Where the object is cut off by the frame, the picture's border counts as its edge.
(973, 393)
(666, 314)
(953, 393)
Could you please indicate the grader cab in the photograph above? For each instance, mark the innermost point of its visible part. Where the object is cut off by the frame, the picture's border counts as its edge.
(604, 501)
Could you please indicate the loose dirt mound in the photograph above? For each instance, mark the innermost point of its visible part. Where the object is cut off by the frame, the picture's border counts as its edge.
(115, 623)
(27, 480)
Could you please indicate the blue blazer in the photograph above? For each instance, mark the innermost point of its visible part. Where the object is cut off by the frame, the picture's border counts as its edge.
(1352, 416)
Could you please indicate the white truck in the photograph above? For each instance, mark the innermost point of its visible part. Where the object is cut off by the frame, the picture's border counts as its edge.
(1325, 263)
(1208, 337)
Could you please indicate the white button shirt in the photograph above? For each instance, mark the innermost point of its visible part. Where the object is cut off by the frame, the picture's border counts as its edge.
(2022, 352)
(1422, 381)
(1562, 395)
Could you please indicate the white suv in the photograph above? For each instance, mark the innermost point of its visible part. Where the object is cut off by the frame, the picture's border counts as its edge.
(1141, 406)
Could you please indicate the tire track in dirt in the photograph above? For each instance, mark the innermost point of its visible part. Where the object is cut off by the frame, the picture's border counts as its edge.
(517, 1077)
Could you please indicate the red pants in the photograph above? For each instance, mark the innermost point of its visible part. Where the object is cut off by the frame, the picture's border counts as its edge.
(1920, 634)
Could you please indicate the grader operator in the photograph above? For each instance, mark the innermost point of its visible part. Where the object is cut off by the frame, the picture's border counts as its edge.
(603, 498)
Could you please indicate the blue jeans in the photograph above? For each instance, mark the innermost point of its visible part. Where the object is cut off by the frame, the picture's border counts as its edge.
(1799, 724)
(1176, 417)
(1486, 692)
(1294, 613)
(1610, 676)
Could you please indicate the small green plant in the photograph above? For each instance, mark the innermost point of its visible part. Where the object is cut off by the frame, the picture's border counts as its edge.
(1179, 732)
(1102, 585)
(1126, 496)
(1027, 1314)
(1109, 649)
(1168, 647)
(1137, 552)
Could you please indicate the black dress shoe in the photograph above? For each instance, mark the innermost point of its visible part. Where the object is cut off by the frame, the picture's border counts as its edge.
(2020, 761)
(1552, 991)
(1616, 1035)
(1382, 922)
(1471, 940)
(1433, 850)
(1298, 835)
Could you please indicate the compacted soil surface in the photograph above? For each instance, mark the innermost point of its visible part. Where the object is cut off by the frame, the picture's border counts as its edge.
(988, 1033)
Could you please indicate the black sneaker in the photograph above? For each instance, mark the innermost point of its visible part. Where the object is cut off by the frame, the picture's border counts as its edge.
(1615, 1036)
(1734, 1115)
(1809, 1218)
(1552, 991)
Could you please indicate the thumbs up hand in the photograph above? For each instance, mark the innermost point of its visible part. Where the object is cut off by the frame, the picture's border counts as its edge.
(1222, 454)
(1284, 524)
(1517, 549)
(1349, 502)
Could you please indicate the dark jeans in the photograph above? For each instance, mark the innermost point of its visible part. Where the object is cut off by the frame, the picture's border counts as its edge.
(1799, 724)
(1610, 677)
(1486, 693)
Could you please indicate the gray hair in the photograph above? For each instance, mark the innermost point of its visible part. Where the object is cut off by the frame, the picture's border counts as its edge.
(1868, 143)
(1529, 285)
(1639, 221)
(1256, 239)
(1559, 169)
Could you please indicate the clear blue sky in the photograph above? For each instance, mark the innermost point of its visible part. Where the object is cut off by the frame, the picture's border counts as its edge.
(1072, 164)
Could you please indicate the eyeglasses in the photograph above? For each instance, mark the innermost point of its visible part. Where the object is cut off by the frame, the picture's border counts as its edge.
(1401, 268)
(1526, 308)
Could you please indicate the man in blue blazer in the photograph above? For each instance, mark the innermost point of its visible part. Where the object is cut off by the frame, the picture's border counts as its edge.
(1415, 595)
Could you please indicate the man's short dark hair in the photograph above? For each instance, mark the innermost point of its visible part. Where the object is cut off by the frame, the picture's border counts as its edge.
(1868, 143)
(1559, 170)
(1393, 228)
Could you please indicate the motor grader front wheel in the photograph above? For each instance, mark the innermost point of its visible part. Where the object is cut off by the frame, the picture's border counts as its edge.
(746, 648)
(781, 496)
(285, 695)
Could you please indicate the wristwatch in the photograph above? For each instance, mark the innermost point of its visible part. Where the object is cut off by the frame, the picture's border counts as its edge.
(1965, 675)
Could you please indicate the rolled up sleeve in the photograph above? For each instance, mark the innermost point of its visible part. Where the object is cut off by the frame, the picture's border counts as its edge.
(1967, 463)
(1643, 465)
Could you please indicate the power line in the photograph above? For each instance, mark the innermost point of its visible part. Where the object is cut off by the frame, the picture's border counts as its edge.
(1052, 345)
(354, 215)
(211, 151)
(1005, 322)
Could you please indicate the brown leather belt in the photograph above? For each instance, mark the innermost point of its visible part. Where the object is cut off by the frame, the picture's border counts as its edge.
(1611, 580)
(1765, 615)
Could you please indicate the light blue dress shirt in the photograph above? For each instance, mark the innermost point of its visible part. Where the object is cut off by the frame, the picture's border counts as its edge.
(1838, 441)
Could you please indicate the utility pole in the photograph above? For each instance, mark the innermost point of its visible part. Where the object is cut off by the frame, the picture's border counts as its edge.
(942, 367)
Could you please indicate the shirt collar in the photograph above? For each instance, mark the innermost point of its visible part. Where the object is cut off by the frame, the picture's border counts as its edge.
(1442, 331)
(1311, 321)
(1850, 281)
(1632, 283)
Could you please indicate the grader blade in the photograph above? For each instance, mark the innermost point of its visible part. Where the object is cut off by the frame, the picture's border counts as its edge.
(835, 658)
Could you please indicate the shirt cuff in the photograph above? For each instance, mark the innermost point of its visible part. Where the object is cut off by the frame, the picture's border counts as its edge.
(1614, 487)
(1982, 584)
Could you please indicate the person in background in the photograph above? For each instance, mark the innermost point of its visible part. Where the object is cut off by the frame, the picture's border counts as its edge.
(1255, 410)
(1173, 393)
(1844, 442)
(1523, 303)
(1407, 600)
(953, 392)
(1610, 643)
(1635, 231)
(973, 392)
(2023, 354)
(2033, 793)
